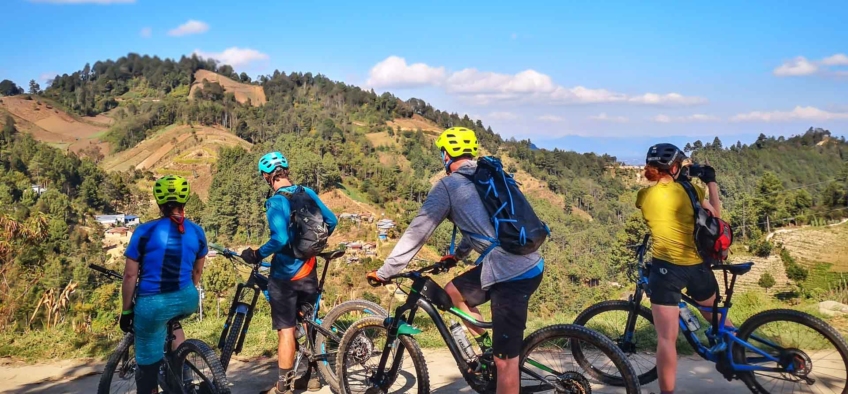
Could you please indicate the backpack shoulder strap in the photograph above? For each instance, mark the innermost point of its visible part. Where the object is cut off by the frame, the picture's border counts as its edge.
(693, 196)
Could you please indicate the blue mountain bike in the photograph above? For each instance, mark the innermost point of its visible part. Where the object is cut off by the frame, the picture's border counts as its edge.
(774, 351)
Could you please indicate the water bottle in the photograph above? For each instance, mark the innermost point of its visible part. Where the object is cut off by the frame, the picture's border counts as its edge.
(461, 340)
(691, 321)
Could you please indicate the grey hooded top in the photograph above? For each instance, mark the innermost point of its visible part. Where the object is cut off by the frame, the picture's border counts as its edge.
(455, 197)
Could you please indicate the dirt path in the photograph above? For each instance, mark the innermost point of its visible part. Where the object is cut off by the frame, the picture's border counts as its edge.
(81, 376)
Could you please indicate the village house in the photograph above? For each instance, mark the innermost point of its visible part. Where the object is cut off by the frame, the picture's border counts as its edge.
(120, 234)
(117, 220)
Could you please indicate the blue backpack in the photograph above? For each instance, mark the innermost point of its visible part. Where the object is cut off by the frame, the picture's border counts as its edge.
(518, 230)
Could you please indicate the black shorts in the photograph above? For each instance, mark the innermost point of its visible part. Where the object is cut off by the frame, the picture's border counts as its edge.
(666, 282)
(287, 297)
(510, 301)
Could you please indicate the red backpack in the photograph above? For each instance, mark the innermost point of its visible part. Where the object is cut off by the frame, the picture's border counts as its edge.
(713, 236)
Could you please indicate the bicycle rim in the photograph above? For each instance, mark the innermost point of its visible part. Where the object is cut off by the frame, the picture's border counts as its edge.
(610, 318)
(119, 373)
(360, 351)
(812, 356)
(548, 355)
(337, 321)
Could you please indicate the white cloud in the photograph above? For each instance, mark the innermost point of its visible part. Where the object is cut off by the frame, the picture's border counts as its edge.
(146, 32)
(190, 27)
(550, 118)
(799, 113)
(48, 76)
(502, 115)
(83, 1)
(839, 59)
(603, 117)
(234, 56)
(801, 66)
(484, 87)
(395, 73)
(685, 119)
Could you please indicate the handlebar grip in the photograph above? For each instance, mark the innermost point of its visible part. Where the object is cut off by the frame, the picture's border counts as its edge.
(374, 282)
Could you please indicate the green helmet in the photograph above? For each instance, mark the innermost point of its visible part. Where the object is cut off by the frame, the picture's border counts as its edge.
(171, 188)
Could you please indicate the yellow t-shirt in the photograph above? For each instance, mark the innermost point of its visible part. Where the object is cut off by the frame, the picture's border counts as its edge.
(667, 209)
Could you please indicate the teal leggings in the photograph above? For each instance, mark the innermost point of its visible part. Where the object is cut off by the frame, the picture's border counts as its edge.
(152, 313)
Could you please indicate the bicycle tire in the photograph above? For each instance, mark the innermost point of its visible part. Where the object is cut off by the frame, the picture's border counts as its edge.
(777, 315)
(327, 368)
(232, 339)
(219, 383)
(120, 355)
(409, 344)
(573, 332)
(603, 307)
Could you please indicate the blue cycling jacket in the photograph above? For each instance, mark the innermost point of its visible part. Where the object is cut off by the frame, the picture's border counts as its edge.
(165, 256)
(278, 212)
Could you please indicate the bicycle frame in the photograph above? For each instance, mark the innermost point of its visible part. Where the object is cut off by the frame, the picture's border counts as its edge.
(427, 295)
(721, 339)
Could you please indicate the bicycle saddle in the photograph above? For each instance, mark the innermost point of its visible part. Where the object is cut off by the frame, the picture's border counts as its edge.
(735, 269)
(331, 255)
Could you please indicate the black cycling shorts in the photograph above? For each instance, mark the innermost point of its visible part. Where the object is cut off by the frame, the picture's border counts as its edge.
(510, 301)
(666, 282)
(288, 296)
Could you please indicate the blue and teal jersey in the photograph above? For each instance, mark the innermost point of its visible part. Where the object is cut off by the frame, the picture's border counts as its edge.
(165, 256)
(278, 211)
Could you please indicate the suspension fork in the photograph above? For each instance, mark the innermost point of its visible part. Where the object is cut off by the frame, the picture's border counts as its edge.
(630, 325)
(382, 379)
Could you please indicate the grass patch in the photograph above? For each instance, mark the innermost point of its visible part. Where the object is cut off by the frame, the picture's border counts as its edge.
(354, 193)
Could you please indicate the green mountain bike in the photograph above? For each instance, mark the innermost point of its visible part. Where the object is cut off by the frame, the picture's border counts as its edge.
(371, 353)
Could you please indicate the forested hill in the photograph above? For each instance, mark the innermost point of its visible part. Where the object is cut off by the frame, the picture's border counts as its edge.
(374, 150)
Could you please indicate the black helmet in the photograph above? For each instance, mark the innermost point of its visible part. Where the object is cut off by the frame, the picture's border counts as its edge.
(664, 155)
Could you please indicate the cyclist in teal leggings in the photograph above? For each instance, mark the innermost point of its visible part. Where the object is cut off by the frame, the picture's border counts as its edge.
(165, 259)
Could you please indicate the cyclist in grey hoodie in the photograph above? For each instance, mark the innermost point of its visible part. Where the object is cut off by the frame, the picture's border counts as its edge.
(506, 279)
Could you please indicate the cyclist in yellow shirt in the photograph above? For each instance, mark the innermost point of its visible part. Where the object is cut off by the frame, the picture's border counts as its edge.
(676, 263)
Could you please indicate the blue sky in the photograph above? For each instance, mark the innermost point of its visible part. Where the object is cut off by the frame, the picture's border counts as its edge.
(605, 76)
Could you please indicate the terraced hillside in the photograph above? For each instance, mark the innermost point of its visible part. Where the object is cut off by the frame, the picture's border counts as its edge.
(242, 91)
(181, 150)
(50, 124)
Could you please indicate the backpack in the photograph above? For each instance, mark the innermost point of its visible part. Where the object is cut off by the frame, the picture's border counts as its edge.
(310, 233)
(518, 230)
(713, 236)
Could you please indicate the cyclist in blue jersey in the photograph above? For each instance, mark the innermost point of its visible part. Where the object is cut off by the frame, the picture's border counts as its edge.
(165, 259)
(293, 282)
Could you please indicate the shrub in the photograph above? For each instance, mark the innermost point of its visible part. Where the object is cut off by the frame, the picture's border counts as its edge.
(761, 247)
(766, 281)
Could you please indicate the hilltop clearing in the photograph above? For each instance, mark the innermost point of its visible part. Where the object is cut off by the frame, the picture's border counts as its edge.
(52, 125)
(242, 91)
(414, 123)
(180, 150)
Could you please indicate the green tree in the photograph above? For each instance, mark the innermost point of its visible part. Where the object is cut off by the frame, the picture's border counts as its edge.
(218, 278)
(33, 87)
(766, 281)
(8, 88)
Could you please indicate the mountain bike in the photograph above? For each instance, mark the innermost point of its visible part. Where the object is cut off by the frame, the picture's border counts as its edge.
(192, 368)
(543, 359)
(778, 350)
(317, 338)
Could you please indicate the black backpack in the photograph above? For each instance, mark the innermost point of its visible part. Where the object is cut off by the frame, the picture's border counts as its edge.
(713, 236)
(307, 221)
(518, 230)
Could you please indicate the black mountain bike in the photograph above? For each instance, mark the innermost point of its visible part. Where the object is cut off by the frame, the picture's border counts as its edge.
(318, 338)
(193, 368)
(371, 353)
(774, 351)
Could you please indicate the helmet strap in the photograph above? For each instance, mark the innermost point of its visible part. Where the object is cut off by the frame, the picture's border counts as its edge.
(447, 161)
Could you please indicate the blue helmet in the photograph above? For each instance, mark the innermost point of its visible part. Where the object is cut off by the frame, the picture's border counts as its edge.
(270, 161)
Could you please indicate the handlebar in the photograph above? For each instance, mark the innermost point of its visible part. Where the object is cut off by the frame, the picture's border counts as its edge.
(106, 271)
(435, 269)
(232, 254)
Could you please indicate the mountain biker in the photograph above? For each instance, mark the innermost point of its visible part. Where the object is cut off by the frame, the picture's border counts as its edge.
(667, 209)
(165, 257)
(293, 282)
(506, 279)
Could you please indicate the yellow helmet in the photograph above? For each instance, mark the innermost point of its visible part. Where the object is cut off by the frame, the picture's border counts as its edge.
(171, 188)
(458, 141)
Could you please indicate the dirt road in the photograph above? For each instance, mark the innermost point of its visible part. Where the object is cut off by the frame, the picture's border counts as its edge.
(80, 376)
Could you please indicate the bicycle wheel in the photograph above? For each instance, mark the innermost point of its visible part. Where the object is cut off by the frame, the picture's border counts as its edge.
(232, 338)
(203, 372)
(813, 356)
(610, 318)
(119, 373)
(338, 321)
(359, 355)
(547, 366)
